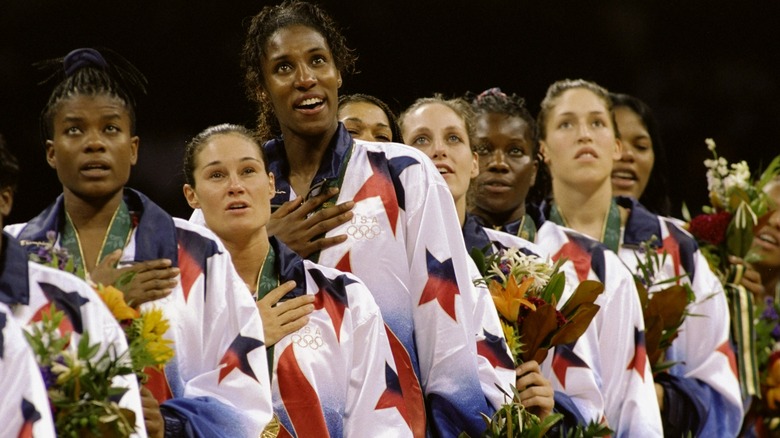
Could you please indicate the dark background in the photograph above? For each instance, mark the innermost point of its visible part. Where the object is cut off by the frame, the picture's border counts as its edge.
(707, 68)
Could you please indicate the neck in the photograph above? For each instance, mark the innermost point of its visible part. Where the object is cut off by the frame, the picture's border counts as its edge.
(248, 254)
(91, 214)
(304, 155)
(501, 218)
(460, 208)
(590, 220)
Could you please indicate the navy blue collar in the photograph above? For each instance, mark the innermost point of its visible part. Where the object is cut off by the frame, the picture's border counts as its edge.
(329, 166)
(641, 225)
(14, 275)
(475, 236)
(289, 265)
(155, 235)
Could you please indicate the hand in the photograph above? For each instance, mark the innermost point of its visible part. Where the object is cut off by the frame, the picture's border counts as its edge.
(292, 224)
(155, 423)
(153, 279)
(279, 320)
(751, 279)
(536, 392)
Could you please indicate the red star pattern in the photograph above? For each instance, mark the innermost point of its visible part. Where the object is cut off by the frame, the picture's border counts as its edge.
(640, 353)
(579, 257)
(442, 285)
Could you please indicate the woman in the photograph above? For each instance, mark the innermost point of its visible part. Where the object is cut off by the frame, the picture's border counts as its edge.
(442, 130)
(579, 142)
(368, 118)
(640, 172)
(505, 140)
(386, 217)
(337, 360)
(217, 383)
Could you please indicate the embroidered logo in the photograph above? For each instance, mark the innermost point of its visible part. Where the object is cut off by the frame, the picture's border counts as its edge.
(364, 227)
(308, 337)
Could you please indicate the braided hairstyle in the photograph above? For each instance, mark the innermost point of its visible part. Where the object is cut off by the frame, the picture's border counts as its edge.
(262, 27)
(87, 72)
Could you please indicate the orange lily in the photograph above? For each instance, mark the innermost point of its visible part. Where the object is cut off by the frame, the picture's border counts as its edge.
(508, 299)
(115, 301)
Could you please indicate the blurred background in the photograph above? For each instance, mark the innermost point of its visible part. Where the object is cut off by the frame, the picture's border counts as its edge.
(707, 68)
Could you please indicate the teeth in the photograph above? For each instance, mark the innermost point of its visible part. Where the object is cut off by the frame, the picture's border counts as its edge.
(625, 175)
(767, 238)
(311, 101)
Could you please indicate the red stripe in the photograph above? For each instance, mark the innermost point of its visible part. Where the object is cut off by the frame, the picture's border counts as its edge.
(299, 398)
(335, 309)
(190, 271)
(414, 412)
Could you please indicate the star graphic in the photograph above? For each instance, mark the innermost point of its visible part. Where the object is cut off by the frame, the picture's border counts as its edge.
(586, 254)
(565, 358)
(671, 248)
(727, 351)
(194, 252)
(493, 348)
(236, 356)
(345, 264)
(385, 183)
(30, 416)
(414, 407)
(67, 302)
(299, 397)
(686, 247)
(332, 296)
(392, 397)
(640, 353)
(442, 285)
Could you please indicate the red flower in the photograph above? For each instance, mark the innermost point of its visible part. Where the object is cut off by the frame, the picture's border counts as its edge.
(710, 227)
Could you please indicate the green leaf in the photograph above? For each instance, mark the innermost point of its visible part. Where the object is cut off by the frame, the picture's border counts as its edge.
(587, 292)
(739, 240)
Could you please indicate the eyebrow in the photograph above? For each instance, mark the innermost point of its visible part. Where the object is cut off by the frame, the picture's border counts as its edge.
(217, 162)
(359, 120)
(112, 116)
(284, 56)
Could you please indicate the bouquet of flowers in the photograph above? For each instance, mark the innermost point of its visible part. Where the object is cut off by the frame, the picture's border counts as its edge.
(664, 310)
(79, 382)
(526, 291)
(737, 202)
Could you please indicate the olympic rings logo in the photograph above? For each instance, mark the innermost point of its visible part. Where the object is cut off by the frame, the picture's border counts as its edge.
(360, 232)
(307, 341)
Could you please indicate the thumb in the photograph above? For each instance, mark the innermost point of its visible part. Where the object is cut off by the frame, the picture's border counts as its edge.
(111, 259)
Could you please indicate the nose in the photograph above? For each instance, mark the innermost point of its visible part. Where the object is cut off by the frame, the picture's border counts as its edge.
(628, 153)
(235, 186)
(305, 78)
(94, 142)
(584, 132)
(497, 162)
(438, 149)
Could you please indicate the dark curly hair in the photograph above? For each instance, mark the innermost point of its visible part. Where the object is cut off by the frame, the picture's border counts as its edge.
(656, 195)
(195, 145)
(91, 72)
(263, 25)
(395, 129)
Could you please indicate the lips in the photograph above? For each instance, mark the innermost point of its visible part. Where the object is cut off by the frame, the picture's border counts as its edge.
(586, 153)
(95, 168)
(237, 206)
(309, 102)
(444, 169)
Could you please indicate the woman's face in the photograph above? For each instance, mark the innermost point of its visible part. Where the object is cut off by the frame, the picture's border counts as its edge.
(581, 145)
(301, 81)
(440, 133)
(92, 148)
(366, 121)
(766, 244)
(232, 187)
(507, 168)
(632, 171)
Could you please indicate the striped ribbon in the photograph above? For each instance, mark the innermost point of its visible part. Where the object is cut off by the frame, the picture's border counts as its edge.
(743, 331)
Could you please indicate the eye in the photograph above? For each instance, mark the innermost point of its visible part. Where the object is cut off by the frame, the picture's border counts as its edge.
(599, 123)
(565, 125)
(283, 68)
(642, 147)
(452, 138)
(112, 128)
(353, 132)
(72, 130)
(318, 60)
(420, 141)
(482, 149)
(215, 175)
(382, 137)
(516, 151)
(249, 171)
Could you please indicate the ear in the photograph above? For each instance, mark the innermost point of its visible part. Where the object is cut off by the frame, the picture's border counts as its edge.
(271, 185)
(6, 202)
(191, 196)
(134, 150)
(618, 150)
(474, 165)
(543, 152)
(534, 171)
(50, 156)
(339, 81)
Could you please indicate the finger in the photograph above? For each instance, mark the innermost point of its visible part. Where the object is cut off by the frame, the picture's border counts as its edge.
(149, 265)
(327, 242)
(316, 201)
(287, 208)
(530, 366)
(111, 259)
(294, 325)
(317, 224)
(291, 315)
(277, 293)
(156, 274)
(295, 303)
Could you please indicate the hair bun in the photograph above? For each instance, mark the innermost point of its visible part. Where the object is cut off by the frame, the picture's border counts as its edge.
(80, 58)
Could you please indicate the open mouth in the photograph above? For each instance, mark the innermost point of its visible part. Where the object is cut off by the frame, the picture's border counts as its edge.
(310, 103)
(624, 174)
(586, 153)
(444, 169)
(237, 206)
(764, 237)
(95, 169)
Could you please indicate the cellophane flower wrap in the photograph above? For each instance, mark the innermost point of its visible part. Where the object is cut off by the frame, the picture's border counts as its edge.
(526, 291)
